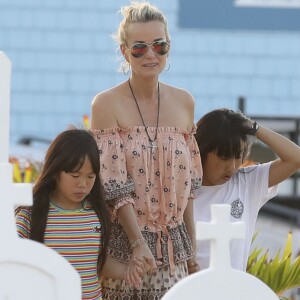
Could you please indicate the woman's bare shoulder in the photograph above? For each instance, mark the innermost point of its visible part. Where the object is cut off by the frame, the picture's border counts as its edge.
(107, 97)
(179, 93)
(104, 107)
(179, 102)
(180, 96)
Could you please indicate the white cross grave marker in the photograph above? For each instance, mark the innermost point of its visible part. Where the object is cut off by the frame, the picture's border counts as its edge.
(12, 194)
(220, 281)
(220, 231)
(28, 270)
(5, 72)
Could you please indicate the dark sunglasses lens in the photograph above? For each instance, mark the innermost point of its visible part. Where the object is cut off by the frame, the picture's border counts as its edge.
(138, 50)
(161, 47)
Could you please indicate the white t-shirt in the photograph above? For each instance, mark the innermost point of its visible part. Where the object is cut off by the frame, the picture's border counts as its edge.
(247, 191)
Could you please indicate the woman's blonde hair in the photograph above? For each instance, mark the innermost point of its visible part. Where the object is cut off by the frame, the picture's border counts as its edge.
(137, 12)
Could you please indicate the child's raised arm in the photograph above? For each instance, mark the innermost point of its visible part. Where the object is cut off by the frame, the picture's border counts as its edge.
(288, 152)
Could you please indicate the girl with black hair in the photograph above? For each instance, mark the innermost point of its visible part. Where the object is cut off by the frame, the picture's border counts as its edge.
(69, 213)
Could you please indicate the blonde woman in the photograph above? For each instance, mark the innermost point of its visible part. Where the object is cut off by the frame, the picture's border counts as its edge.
(150, 162)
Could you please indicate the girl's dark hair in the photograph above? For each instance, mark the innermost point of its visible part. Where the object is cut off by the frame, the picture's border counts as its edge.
(67, 153)
(221, 131)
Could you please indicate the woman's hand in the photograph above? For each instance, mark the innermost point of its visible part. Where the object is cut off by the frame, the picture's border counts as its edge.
(193, 266)
(143, 253)
(135, 270)
(142, 262)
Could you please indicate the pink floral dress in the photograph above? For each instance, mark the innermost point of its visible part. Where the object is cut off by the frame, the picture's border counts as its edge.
(158, 182)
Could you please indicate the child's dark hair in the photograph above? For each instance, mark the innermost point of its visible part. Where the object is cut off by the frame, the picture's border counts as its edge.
(221, 131)
(67, 153)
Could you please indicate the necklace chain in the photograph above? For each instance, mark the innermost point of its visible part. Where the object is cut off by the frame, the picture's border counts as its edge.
(152, 142)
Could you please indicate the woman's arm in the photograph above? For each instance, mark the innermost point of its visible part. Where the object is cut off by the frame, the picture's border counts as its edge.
(188, 217)
(139, 247)
(127, 218)
(289, 155)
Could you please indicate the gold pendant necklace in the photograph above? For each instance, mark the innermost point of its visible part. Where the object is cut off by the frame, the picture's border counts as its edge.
(152, 143)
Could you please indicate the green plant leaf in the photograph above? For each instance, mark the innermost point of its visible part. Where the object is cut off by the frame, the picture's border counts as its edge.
(288, 246)
(279, 273)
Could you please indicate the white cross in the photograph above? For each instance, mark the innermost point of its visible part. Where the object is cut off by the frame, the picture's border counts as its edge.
(12, 194)
(220, 281)
(35, 267)
(220, 231)
(5, 72)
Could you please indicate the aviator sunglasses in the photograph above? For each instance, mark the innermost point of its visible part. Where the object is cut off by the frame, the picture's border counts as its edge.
(140, 49)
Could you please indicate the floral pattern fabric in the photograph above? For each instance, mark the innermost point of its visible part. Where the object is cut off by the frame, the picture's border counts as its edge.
(158, 182)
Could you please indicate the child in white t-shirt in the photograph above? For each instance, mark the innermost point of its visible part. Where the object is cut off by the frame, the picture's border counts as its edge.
(224, 139)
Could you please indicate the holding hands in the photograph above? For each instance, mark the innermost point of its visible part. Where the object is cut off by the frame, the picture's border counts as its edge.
(142, 262)
(193, 266)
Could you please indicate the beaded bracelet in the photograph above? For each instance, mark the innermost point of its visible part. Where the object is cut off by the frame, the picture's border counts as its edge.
(137, 242)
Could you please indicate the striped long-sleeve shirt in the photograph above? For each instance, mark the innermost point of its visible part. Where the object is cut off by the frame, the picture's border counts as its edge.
(75, 234)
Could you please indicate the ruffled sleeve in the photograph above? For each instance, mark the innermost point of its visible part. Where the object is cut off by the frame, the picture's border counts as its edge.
(117, 184)
(196, 165)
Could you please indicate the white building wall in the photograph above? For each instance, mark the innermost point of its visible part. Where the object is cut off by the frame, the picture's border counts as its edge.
(63, 54)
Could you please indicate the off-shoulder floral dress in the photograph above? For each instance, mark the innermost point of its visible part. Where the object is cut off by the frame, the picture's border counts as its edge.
(159, 183)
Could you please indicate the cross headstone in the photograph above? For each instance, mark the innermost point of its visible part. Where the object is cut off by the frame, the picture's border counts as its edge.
(12, 194)
(220, 231)
(5, 72)
(220, 281)
(28, 270)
